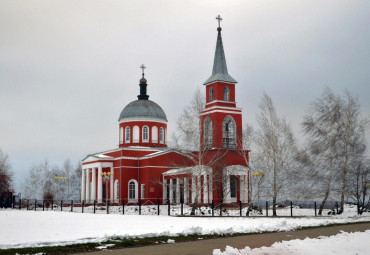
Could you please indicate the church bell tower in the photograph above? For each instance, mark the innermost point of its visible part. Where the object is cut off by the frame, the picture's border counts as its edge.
(221, 120)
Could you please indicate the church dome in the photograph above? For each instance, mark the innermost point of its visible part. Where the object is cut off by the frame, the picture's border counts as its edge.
(143, 109)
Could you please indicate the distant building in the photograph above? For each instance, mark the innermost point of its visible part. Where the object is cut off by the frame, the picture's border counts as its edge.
(144, 168)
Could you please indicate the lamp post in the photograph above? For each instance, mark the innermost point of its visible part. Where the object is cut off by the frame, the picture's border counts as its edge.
(261, 175)
(106, 177)
(61, 179)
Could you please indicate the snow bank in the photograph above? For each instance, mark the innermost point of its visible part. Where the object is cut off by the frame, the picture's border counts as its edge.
(343, 243)
(32, 229)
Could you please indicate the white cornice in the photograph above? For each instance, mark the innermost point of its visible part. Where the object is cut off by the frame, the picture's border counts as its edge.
(221, 101)
(223, 111)
(146, 119)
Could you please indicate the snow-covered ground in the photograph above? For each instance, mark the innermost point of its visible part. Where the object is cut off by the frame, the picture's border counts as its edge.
(44, 228)
(343, 243)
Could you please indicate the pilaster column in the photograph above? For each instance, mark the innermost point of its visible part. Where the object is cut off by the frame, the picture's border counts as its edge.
(83, 182)
(93, 184)
(111, 185)
(100, 184)
(87, 175)
(205, 189)
(186, 190)
(227, 183)
(164, 190)
(193, 188)
(171, 190)
(177, 190)
(210, 188)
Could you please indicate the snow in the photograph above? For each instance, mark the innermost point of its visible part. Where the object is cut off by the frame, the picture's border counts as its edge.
(343, 243)
(20, 228)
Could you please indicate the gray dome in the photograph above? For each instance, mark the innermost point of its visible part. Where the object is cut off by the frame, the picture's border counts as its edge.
(143, 109)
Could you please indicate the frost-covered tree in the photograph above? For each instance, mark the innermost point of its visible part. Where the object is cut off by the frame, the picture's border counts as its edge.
(6, 174)
(275, 151)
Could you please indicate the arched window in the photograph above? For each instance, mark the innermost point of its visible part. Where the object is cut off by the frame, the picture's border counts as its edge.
(226, 94)
(154, 134)
(208, 133)
(136, 134)
(145, 134)
(127, 135)
(232, 187)
(116, 190)
(132, 190)
(121, 135)
(228, 132)
(211, 94)
(161, 135)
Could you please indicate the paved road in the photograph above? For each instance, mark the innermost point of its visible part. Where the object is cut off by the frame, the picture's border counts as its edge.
(253, 241)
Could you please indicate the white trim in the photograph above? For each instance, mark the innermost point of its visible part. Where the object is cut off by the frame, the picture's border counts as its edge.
(136, 191)
(143, 119)
(231, 112)
(121, 133)
(221, 101)
(142, 134)
(218, 81)
(154, 137)
(222, 107)
(135, 134)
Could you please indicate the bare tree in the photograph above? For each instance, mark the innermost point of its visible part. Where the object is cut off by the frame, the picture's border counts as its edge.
(352, 138)
(39, 180)
(321, 125)
(275, 150)
(6, 177)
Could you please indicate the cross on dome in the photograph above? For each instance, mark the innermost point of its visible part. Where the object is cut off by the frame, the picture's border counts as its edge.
(219, 20)
(142, 68)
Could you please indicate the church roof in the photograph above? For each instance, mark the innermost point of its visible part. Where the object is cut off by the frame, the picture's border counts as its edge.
(143, 109)
(219, 72)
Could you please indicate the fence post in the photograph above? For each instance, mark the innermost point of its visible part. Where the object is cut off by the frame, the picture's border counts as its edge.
(83, 204)
(315, 210)
(61, 205)
(221, 208)
(336, 203)
(43, 205)
(35, 204)
(94, 205)
(27, 204)
(169, 209)
(20, 204)
(139, 206)
(213, 208)
(107, 206)
(158, 206)
(52, 204)
(267, 209)
(240, 208)
(291, 209)
(123, 206)
(13, 202)
(358, 209)
(71, 205)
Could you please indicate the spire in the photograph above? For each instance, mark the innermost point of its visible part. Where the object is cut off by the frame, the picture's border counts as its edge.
(143, 84)
(219, 72)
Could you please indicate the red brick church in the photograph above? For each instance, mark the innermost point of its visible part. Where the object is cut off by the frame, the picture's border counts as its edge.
(144, 168)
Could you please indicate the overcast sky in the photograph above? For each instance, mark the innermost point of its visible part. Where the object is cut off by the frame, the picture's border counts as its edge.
(68, 68)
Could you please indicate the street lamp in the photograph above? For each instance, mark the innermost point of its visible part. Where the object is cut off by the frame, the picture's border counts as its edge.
(106, 176)
(261, 175)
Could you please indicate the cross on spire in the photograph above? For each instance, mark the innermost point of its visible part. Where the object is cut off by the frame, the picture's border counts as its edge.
(142, 68)
(219, 20)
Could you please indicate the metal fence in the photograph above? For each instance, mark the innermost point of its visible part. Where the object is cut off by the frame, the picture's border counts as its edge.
(165, 207)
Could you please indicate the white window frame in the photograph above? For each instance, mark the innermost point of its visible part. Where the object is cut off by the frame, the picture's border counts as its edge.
(136, 191)
(227, 94)
(154, 134)
(127, 134)
(145, 139)
(161, 135)
(211, 95)
(136, 134)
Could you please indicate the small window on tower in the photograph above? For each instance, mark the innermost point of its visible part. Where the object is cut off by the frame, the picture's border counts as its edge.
(145, 134)
(226, 94)
(211, 94)
(127, 135)
(161, 135)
